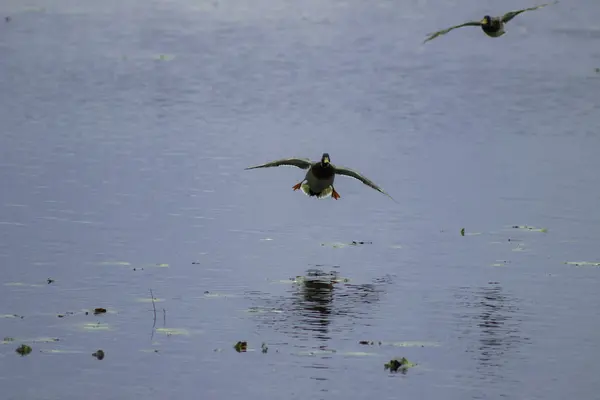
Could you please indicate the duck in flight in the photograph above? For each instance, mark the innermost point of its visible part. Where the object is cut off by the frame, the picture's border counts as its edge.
(491, 26)
(320, 176)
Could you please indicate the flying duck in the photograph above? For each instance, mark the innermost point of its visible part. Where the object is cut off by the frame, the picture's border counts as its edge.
(491, 26)
(319, 178)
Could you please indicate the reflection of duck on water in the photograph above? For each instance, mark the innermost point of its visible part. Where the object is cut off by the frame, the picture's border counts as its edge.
(498, 325)
(314, 299)
(319, 297)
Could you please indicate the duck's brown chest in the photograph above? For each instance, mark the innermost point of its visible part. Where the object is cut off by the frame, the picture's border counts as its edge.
(494, 28)
(323, 172)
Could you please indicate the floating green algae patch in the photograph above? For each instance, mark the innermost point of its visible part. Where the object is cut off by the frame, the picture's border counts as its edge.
(173, 331)
(399, 364)
(11, 316)
(94, 326)
(7, 340)
(116, 263)
(500, 263)
(583, 263)
(44, 340)
(357, 354)
(165, 57)
(59, 351)
(140, 266)
(23, 284)
(529, 228)
(149, 300)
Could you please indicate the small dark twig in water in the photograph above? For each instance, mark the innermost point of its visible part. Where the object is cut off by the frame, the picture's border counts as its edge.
(164, 318)
(154, 309)
(153, 305)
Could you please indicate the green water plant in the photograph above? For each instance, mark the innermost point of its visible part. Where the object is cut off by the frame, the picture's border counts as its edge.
(23, 349)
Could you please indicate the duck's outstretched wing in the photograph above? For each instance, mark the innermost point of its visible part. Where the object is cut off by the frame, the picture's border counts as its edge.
(356, 175)
(432, 36)
(511, 14)
(303, 163)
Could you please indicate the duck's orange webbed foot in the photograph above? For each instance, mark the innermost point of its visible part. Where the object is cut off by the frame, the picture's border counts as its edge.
(297, 186)
(335, 194)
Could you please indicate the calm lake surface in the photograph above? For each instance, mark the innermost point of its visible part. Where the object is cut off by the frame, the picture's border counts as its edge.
(125, 129)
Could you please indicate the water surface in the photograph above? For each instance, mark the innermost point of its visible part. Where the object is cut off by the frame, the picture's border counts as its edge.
(125, 130)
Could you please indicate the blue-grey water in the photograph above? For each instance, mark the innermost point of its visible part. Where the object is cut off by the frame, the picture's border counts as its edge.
(125, 127)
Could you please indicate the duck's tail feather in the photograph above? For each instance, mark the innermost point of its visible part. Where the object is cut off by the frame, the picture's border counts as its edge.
(325, 193)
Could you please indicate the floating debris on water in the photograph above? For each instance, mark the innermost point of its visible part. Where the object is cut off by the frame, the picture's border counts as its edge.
(583, 263)
(241, 347)
(399, 364)
(530, 228)
(172, 331)
(50, 280)
(117, 263)
(38, 340)
(500, 263)
(149, 300)
(462, 232)
(339, 245)
(358, 354)
(99, 311)
(369, 343)
(316, 352)
(22, 284)
(90, 326)
(99, 354)
(263, 310)
(264, 348)
(65, 314)
(165, 57)
(11, 316)
(519, 247)
(399, 344)
(212, 295)
(23, 349)
(58, 351)
(149, 350)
